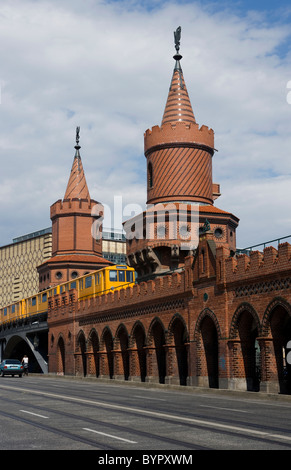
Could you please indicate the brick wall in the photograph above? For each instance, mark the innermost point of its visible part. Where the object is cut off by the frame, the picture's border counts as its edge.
(217, 327)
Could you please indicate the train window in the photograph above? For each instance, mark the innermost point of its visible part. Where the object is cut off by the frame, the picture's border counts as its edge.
(73, 285)
(121, 276)
(88, 282)
(12, 308)
(129, 276)
(113, 275)
(55, 291)
(44, 297)
(5, 311)
(33, 301)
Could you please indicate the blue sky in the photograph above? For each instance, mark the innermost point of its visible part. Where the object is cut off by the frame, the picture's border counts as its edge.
(106, 67)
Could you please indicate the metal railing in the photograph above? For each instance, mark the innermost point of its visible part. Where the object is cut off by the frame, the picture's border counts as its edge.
(263, 245)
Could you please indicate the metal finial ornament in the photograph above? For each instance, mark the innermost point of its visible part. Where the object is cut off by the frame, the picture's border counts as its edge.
(177, 56)
(77, 135)
(177, 37)
(77, 146)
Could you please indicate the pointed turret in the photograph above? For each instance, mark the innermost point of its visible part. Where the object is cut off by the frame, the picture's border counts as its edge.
(180, 190)
(178, 106)
(74, 249)
(77, 186)
(179, 152)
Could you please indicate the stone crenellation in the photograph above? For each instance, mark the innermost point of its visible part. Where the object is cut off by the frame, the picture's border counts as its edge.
(257, 264)
(180, 132)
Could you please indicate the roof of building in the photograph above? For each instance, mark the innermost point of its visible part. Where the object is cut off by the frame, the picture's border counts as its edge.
(77, 186)
(178, 106)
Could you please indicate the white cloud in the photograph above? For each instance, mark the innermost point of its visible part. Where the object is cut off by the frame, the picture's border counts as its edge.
(106, 67)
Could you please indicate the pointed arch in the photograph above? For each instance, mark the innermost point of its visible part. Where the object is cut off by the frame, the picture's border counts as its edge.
(61, 356)
(179, 337)
(81, 351)
(206, 312)
(277, 302)
(206, 335)
(245, 354)
(138, 344)
(277, 325)
(157, 337)
(106, 345)
(93, 346)
(121, 341)
(243, 307)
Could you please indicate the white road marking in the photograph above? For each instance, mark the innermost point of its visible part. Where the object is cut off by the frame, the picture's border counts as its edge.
(210, 424)
(227, 409)
(148, 398)
(34, 414)
(110, 435)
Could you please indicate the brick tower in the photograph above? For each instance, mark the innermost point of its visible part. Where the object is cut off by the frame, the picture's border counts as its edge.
(74, 250)
(180, 190)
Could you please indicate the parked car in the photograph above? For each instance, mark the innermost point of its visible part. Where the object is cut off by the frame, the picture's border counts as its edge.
(11, 367)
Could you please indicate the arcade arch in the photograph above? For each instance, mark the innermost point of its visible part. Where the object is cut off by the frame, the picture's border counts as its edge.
(207, 334)
(244, 348)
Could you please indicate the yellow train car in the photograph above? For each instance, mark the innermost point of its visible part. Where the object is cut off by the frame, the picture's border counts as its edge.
(96, 283)
(11, 312)
(37, 303)
(105, 280)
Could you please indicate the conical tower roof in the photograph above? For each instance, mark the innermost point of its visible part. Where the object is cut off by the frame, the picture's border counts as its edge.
(178, 106)
(77, 186)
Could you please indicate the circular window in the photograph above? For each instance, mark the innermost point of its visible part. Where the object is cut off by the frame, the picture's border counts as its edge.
(218, 232)
(184, 232)
(74, 275)
(59, 275)
(161, 231)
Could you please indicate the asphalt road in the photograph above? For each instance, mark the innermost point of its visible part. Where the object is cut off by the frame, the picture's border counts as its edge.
(54, 413)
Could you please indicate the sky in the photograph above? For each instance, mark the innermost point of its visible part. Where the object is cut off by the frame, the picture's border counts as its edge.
(106, 66)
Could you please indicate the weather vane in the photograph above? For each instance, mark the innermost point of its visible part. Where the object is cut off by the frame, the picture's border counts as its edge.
(77, 135)
(177, 37)
(177, 56)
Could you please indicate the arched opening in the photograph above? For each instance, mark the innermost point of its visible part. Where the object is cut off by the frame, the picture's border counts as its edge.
(16, 348)
(61, 357)
(280, 325)
(180, 336)
(140, 341)
(122, 335)
(93, 345)
(81, 347)
(108, 344)
(209, 344)
(158, 335)
(248, 332)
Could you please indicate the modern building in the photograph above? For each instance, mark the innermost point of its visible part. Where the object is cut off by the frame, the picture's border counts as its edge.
(18, 262)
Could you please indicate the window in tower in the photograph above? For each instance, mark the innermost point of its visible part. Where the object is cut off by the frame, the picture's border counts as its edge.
(150, 175)
(218, 232)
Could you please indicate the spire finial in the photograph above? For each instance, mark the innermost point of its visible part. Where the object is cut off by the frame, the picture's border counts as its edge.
(77, 146)
(77, 135)
(177, 37)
